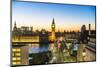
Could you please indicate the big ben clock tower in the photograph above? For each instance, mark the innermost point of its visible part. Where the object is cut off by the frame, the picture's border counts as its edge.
(53, 26)
(53, 30)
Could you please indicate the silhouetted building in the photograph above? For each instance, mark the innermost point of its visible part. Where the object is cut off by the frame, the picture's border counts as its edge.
(91, 43)
(83, 34)
(43, 37)
(86, 35)
(92, 38)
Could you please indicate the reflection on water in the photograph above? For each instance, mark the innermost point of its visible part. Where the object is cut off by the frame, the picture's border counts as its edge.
(36, 48)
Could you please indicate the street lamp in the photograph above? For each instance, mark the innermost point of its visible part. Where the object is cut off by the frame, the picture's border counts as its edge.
(84, 54)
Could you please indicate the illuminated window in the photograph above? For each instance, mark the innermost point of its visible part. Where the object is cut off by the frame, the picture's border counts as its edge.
(18, 58)
(17, 54)
(18, 63)
(14, 58)
(16, 49)
(14, 63)
(13, 49)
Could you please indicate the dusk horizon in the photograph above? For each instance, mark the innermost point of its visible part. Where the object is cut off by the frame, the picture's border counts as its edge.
(40, 16)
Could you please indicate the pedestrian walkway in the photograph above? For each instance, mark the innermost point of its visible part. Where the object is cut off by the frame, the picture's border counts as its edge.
(80, 50)
(61, 57)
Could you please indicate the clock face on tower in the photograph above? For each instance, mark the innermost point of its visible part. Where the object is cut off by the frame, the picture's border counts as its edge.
(53, 26)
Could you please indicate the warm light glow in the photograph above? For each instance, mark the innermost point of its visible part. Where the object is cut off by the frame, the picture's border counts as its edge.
(18, 58)
(13, 49)
(16, 49)
(53, 26)
(26, 39)
(14, 58)
(14, 63)
(17, 54)
(18, 63)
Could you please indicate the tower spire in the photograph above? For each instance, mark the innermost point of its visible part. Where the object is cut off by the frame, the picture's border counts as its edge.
(15, 23)
(15, 26)
(53, 22)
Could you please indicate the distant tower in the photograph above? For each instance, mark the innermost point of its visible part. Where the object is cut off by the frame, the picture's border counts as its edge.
(83, 28)
(15, 27)
(53, 30)
(83, 34)
(89, 29)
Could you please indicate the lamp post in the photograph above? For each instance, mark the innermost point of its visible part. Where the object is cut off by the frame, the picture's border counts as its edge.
(83, 54)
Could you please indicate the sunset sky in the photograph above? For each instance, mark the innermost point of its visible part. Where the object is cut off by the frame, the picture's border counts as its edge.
(40, 15)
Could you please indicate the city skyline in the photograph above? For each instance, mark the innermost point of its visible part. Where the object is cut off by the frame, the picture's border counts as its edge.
(51, 33)
(40, 16)
(59, 30)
